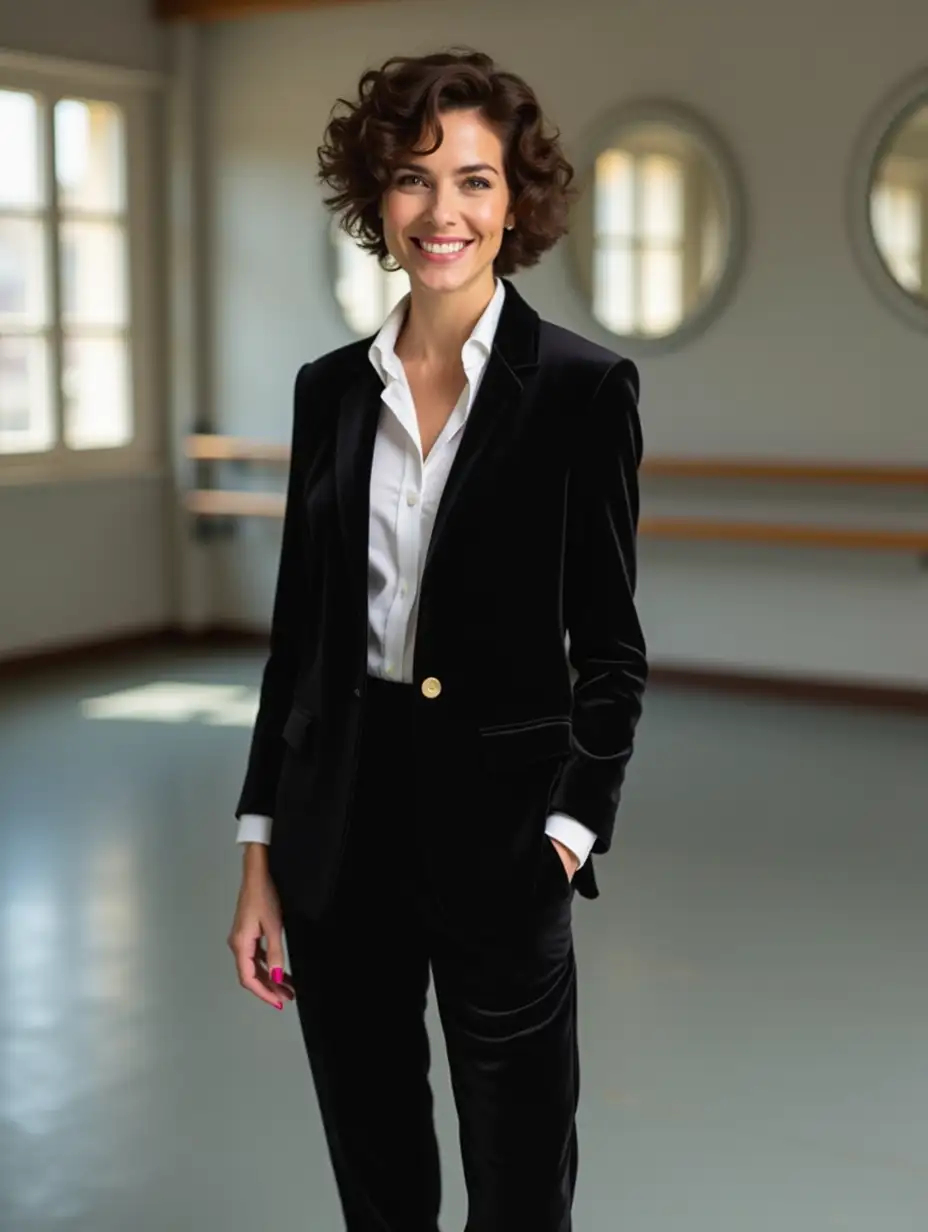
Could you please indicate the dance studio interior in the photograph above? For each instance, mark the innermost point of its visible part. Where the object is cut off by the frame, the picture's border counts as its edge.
(751, 229)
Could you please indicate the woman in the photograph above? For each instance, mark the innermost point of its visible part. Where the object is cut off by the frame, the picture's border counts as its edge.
(462, 500)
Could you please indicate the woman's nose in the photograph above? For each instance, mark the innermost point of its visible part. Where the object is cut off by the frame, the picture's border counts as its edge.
(443, 210)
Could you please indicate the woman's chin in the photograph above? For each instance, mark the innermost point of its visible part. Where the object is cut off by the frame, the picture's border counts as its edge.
(447, 278)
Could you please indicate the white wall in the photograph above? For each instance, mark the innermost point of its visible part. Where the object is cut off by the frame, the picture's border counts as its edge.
(805, 362)
(81, 561)
(84, 560)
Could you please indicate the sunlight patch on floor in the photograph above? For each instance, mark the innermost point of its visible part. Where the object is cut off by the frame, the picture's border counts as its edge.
(174, 701)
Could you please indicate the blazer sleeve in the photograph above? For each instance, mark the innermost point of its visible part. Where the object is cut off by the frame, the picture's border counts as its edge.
(607, 647)
(289, 617)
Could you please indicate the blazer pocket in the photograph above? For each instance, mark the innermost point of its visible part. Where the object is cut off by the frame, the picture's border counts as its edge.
(297, 730)
(505, 744)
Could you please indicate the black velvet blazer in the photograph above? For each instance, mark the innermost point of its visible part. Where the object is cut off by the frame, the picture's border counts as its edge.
(533, 544)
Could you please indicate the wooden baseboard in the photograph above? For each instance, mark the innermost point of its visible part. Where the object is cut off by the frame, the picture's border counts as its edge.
(717, 680)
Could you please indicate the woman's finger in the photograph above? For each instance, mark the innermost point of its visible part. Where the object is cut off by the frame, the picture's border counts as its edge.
(275, 954)
(248, 954)
(267, 973)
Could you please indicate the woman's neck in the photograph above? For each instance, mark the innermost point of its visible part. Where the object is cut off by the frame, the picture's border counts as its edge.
(438, 323)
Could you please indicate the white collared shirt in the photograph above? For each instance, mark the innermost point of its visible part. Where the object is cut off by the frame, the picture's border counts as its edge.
(404, 495)
(405, 490)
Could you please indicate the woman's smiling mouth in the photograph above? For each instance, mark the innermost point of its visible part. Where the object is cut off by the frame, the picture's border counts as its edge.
(441, 251)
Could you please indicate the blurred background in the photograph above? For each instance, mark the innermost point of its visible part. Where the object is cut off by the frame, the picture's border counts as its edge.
(753, 230)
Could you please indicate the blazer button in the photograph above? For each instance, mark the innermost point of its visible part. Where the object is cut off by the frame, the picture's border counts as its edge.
(431, 687)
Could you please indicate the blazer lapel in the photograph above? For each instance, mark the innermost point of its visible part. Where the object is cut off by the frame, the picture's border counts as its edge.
(494, 414)
(356, 432)
(493, 418)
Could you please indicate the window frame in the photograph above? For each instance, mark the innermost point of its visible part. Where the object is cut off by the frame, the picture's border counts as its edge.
(137, 94)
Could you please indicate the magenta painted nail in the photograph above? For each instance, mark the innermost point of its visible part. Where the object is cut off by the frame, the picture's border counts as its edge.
(277, 975)
(280, 1005)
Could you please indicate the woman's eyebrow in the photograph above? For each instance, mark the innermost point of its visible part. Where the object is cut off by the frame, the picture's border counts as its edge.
(469, 169)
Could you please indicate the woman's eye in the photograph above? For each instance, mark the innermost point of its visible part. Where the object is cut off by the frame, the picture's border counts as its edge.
(409, 179)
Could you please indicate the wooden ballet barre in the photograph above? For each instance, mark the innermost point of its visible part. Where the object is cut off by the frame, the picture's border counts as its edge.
(804, 472)
(218, 502)
(212, 447)
(713, 531)
(221, 503)
(203, 447)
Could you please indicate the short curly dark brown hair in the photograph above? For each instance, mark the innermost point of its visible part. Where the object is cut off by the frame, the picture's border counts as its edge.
(400, 102)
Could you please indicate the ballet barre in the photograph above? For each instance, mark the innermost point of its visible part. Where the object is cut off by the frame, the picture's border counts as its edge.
(227, 503)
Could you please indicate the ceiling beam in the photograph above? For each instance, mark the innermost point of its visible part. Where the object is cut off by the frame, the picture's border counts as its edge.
(226, 10)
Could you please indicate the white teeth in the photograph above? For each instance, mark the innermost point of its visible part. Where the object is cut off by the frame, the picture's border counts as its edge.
(440, 248)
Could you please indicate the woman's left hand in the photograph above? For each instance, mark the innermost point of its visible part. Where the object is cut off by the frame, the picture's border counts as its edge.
(568, 859)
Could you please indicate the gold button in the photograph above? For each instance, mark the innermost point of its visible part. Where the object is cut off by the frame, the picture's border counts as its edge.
(431, 686)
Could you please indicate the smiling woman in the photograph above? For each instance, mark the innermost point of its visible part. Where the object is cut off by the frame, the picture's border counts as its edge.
(426, 784)
(392, 143)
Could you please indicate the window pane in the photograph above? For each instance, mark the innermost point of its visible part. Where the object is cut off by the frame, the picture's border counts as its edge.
(22, 273)
(661, 198)
(20, 150)
(89, 156)
(93, 273)
(895, 212)
(613, 195)
(613, 289)
(96, 392)
(661, 291)
(364, 291)
(25, 396)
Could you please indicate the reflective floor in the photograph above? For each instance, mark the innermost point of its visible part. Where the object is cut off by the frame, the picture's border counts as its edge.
(754, 991)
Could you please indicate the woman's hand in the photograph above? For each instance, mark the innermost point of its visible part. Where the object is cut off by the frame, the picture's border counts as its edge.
(568, 859)
(257, 918)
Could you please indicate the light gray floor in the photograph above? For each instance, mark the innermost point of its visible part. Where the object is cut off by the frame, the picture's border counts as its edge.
(754, 993)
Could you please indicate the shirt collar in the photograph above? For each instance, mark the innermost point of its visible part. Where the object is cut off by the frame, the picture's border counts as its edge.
(476, 349)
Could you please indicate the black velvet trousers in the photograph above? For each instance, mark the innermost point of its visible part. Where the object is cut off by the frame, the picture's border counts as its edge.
(505, 984)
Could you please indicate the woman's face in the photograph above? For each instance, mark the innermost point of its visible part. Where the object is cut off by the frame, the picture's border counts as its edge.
(444, 213)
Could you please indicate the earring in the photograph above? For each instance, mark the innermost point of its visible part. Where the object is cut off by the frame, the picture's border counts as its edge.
(509, 226)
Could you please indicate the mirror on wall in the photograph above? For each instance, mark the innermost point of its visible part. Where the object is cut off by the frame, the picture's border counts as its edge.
(889, 200)
(365, 292)
(656, 231)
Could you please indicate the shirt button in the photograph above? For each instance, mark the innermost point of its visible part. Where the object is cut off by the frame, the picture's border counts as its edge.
(412, 498)
(403, 588)
(431, 687)
(388, 668)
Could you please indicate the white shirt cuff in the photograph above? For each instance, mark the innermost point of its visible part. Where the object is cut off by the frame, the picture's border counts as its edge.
(575, 836)
(253, 828)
